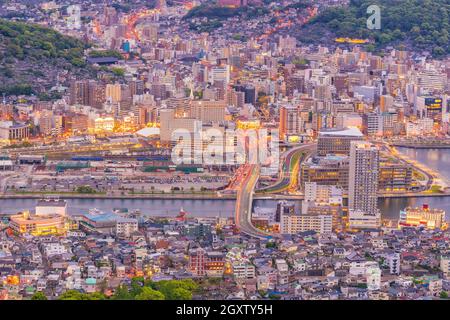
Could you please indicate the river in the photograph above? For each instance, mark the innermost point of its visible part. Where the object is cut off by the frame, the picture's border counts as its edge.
(437, 159)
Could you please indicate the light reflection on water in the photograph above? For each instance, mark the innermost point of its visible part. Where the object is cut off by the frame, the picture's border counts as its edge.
(437, 159)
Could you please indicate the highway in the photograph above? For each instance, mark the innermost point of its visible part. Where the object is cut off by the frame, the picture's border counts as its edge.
(246, 182)
(243, 214)
(289, 170)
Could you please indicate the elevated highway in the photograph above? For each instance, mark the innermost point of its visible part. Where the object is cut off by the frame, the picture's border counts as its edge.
(289, 170)
(244, 200)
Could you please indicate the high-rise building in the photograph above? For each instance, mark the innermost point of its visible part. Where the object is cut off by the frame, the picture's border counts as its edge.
(96, 94)
(169, 123)
(289, 121)
(79, 92)
(220, 73)
(337, 141)
(136, 87)
(363, 185)
(208, 111)
(372, 124)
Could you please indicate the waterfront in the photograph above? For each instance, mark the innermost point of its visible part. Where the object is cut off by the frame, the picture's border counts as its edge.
(390, 207)
(437, 159)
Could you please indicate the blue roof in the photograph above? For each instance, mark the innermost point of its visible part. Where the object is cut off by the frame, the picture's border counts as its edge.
(108, 217)
(102, 217)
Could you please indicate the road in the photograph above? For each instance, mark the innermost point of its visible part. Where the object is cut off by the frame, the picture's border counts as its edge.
(243, 214)
(432, 177)
(289, 170)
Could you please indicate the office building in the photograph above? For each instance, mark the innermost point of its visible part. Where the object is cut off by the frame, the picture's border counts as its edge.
(363, 185)
(337, 141)
(289, 121)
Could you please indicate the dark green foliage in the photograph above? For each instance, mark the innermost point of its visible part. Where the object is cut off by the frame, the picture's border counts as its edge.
(76, 295)
(30, 52)
(18, 89)
(39, 296)
(20, 40)
(416, 24)
(145, 289)
(105, 53)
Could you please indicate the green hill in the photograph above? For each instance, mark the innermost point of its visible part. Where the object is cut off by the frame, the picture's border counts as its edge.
(415, 24)
(31, 56)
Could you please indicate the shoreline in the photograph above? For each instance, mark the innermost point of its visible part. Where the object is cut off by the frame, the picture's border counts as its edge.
(431, 146)
(197, 196)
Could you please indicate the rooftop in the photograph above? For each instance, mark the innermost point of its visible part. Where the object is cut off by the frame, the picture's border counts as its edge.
(348, 132)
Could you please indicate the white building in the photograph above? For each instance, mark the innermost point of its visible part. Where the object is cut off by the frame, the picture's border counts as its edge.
(243, 270)
(294, 223)
(373, 277)
(54, 248)
(445, 265)
(51, 206)
(322, 194)
(125, 227)
(361, 220)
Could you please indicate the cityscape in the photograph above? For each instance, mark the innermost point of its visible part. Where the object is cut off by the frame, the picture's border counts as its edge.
(224, 150)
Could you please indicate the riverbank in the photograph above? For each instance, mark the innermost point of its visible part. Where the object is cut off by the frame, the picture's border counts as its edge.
(207, 196)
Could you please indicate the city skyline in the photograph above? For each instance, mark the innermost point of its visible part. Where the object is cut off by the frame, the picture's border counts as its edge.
(224, 150)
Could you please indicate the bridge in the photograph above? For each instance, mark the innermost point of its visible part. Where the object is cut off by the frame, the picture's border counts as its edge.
(289, 170)
(247, 178)
(243, 214)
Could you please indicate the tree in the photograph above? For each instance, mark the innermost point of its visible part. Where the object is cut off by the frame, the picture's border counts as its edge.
(444, 295)
(72, 295)
(122, 293)
(39, 296)
(150, 294)
(170, 289)
(181, 294)
(96, 296)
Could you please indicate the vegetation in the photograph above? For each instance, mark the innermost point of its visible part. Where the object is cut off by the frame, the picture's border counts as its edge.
(85, 189)
(118, 72)
(77, 295)
(415, 24)
(300, 62)
(25, 144)
(105, 53)
(145, 289)
(31, 52)
(39, 296)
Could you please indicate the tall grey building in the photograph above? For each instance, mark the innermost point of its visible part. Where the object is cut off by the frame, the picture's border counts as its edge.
(363, 185)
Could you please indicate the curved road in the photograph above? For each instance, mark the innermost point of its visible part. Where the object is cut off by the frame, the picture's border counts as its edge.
(289, 170)
(243, 214)
(288, 179)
